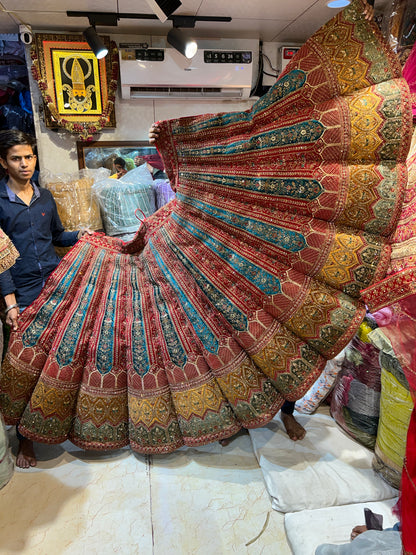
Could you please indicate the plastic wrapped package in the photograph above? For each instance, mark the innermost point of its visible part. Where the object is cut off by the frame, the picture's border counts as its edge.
(163, 192)
(120, 199)
(355, 402)
(396, 407)
(399, 27)
(77, 206)
(94, 159)
(322, 387)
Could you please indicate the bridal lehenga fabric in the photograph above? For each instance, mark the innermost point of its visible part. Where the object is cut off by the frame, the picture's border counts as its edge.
(232, 297)
(8, 252)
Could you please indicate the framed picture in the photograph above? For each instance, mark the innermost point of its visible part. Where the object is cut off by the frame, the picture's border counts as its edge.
(78, 89)
(101, 154)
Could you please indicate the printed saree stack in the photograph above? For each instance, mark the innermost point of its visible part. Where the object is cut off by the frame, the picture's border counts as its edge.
(232, 297)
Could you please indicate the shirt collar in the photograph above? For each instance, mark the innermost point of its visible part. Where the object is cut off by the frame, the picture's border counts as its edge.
(12, 196)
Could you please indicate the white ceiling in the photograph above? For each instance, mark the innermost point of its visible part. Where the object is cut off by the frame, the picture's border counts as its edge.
(267, 20)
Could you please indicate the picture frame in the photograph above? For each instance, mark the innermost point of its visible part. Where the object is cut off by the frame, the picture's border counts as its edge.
(78, 89)
(98, 154)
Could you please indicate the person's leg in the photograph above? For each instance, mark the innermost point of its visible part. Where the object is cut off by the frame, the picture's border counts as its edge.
(25, 454)
(293, 429)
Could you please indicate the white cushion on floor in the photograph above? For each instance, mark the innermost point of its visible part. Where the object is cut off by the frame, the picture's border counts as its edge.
(326, 468)
(305, 530)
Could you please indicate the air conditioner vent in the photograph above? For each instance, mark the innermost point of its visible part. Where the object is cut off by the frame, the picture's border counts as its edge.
(181, 92)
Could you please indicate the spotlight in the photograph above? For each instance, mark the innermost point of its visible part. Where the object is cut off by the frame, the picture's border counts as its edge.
(95, 43)
(338, 3)
(182, 44)
(164, 8)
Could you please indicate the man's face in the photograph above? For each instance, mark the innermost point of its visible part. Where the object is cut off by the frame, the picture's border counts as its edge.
(20, 162)
(119, 170)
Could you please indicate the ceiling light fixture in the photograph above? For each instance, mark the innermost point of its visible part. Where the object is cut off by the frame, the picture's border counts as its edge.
(95, 42)
(182, 43)
(338, 3)
(164, 8)
(111, 18)
(175, 38)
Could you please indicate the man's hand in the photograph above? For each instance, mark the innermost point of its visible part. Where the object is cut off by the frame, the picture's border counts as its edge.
(154, 132)
(85, 231)
(12, 316)
(368, 12)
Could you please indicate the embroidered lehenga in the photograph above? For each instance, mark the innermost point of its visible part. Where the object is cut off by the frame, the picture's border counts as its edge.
(232, 297)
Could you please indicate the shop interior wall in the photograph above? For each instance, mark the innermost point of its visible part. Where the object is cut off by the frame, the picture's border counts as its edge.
(57, 149)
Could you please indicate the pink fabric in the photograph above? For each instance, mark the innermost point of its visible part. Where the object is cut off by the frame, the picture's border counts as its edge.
(384, 316)
(409, 73)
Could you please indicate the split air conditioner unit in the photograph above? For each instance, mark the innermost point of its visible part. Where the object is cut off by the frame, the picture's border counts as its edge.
(165, 73)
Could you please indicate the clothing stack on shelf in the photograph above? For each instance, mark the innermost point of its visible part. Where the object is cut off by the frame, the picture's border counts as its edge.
(15, 102)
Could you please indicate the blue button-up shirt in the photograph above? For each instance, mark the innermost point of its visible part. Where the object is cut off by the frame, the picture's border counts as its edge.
(34, 230)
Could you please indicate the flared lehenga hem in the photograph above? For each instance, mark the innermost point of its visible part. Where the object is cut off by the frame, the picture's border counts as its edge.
(233, 297)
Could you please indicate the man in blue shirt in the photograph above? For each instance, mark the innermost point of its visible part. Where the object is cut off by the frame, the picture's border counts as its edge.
(28, 215)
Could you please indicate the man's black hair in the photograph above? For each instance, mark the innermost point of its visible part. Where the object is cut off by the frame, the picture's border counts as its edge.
(120, 162)
(13, 137)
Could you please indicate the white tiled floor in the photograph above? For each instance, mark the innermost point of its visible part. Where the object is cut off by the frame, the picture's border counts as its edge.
(204, 501)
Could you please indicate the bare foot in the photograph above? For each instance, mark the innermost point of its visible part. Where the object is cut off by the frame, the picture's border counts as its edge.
(227, 440)
(25, 454)
(357, 530)
(224, 442)
(293, 429)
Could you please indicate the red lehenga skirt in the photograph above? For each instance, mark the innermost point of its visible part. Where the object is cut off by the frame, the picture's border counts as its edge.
(232, 298)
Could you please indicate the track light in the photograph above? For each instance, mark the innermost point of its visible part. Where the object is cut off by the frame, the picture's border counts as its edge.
(164, 8)
(184, 45)
(338, 3)
(95, 43)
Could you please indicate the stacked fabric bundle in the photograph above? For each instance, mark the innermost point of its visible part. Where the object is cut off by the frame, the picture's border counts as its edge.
(395, 410)
(77, 207)
(355, 403)
(76, 204)
(121, 198)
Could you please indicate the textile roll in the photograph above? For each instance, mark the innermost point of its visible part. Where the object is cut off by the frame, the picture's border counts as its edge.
(396, 407)
(355, 402)
(232, 297)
